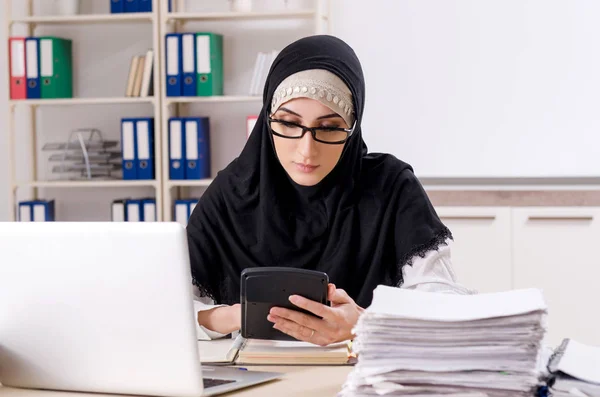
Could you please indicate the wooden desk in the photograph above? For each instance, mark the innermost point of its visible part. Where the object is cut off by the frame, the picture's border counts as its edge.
(298, 381)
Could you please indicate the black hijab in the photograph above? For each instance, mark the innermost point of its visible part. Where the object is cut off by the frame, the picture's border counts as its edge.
(361, 224)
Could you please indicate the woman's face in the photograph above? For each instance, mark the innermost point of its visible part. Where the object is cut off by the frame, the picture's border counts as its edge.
(305, 160)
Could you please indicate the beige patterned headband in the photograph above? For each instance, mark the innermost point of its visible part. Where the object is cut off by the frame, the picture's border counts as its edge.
(318, 84)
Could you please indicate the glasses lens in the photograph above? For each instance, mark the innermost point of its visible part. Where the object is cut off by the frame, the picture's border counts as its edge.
(286, 129)
(331, 136)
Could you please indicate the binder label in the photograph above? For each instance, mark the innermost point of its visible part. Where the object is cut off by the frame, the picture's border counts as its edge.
(143, 140)
(172, 56)
(32, 59)
(47, 64)
(203, 54)
(188, 53)
(191, 140)
(128, 141)
(17, 67)
(175, 140)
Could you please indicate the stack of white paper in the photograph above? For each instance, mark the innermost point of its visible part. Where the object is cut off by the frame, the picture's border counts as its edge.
(423, 344)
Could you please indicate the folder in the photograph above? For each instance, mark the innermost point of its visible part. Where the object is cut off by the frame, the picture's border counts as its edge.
(173, 62)
(42, 210)
(32, 67)
(117, 6)
(18, 80)
(56, 67)
(131, 6)
(145, 6)
(182, 212)
(197, 148)
(134, 210)
(128, 145)
(188, 59)
(250, 123)
(149, 210)
(191, 206)
(118, 211)
(209, 64)
(144, 143)
(25, 211)
(176, 149)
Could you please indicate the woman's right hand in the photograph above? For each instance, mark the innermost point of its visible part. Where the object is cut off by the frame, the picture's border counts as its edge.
(222, 319)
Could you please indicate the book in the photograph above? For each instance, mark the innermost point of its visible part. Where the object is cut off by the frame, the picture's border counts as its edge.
(575, 366)
(244, 351)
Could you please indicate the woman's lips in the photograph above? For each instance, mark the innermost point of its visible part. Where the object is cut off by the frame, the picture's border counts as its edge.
(306, 168)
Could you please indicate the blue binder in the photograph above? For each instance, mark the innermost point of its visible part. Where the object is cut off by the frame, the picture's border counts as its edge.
(117, 6)
(134, 210)
(32, 67)
(197, 148)
(118, 210)
(149, 209)
(176, 148)
(183, 210)
(25, 213)
(173, 64)
(170, 6)
(144, 143)
(131, 5)
(42, 210)
(145, 6)
(191, 206)
(128, 148)
(188, 64)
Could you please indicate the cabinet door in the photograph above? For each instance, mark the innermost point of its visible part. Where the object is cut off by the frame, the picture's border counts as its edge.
(481, 251)
(554, 251)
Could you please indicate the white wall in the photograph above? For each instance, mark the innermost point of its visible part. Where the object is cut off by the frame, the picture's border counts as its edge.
(471, 88)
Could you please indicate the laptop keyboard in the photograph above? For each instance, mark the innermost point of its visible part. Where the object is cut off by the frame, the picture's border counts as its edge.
(210, 382)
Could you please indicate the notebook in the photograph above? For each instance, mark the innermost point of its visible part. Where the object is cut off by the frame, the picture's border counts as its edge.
(244, 351)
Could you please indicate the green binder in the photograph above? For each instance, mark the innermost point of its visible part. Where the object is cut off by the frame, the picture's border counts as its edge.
(56, 67)
(209, 64)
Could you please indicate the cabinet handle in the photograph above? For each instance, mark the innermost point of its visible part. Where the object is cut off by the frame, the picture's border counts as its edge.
(582, 218)
(469, 217)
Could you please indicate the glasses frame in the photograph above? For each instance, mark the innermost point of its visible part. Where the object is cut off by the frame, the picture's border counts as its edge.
(313, 131)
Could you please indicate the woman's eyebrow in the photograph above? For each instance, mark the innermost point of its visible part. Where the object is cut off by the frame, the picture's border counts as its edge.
(329, 116)
(289, 111)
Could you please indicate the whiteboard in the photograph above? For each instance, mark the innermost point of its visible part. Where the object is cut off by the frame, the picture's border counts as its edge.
(480, 88)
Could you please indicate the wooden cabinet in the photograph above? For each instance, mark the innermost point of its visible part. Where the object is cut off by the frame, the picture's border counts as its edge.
(554, 249)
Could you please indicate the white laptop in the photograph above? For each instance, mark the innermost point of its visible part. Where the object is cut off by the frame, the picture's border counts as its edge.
(103, 307)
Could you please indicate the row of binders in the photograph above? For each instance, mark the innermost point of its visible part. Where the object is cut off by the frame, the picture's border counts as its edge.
(194, 64)
(183, 209)
(40, 67)
(121, 6)
(137, 148)
(36, 211)
(140, 81)
(189, 148)
(133, 210)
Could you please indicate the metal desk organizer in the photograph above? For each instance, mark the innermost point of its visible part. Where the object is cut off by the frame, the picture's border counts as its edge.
(85, 156)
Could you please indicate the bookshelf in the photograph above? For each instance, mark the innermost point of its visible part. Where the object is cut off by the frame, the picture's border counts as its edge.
(235, 104)
(27, 25)
(233, 107)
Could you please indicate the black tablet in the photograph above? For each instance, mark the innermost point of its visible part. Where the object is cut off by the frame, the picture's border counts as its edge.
(265, 287)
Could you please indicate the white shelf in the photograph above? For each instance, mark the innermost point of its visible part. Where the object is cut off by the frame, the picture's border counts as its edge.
(224, 16)
(189, 183)
(82, 101)
(90, 18)
(94, 183)
(212, 99)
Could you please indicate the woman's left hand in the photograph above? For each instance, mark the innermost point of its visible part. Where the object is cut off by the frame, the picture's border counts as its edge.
(336, 321)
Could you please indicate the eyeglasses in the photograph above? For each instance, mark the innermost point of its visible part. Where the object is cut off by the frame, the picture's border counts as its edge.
(328, 135)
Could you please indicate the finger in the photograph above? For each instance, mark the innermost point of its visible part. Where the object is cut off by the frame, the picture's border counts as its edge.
(299, 318)
(330, 291)
(312, 306)
(340, 296)
(300, 332)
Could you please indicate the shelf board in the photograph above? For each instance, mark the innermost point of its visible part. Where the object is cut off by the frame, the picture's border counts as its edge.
(86, 19)
(82, 101)
(224, 16)
(94, 183)
(212, 99)
(189, 182)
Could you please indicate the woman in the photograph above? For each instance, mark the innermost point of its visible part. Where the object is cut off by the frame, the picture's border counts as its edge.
(305, 193)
